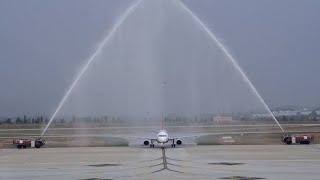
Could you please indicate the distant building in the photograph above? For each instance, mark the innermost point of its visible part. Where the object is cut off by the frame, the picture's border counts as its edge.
(285, 113)
(305, 112)
(222, 119)
(279, 113)
(261, 115)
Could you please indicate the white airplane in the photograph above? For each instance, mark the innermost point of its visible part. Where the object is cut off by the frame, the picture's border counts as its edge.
(163, 138)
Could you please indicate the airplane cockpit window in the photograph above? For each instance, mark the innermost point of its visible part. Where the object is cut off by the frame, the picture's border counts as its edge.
(162, 135)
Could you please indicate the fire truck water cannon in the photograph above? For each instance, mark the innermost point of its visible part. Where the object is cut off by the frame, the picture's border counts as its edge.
(24, 143)
(297, 139)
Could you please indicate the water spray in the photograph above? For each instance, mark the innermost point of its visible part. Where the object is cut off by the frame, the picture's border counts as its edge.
(114, 29)
(233, 61)
(91, 59)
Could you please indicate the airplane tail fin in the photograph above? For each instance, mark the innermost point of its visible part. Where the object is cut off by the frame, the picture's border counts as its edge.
(162, 124)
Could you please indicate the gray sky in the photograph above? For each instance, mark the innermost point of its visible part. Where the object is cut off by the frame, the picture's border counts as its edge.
(44, 43)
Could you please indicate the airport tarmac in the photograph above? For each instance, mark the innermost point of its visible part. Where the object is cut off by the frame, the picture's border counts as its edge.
(187, 162)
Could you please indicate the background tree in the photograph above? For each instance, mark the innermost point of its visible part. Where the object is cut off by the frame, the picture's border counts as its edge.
(284, 118)
(18, 120)
(314, 115)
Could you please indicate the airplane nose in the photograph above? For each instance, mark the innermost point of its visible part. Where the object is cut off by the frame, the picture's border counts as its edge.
(162, 140)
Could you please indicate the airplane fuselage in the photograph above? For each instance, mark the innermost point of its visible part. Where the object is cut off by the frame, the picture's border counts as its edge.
(162, 137)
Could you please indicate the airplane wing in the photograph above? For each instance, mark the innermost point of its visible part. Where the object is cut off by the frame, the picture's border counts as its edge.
(184, 137)
(140, 137)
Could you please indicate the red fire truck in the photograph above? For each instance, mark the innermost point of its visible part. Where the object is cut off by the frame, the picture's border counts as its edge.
(297, 139)
(24, 143)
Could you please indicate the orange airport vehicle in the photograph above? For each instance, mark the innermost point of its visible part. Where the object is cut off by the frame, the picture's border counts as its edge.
(24, 143)
(297, 139)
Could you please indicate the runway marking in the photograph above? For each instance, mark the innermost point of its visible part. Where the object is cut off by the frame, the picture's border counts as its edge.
(179, 160)
(178, 165)
(165, 164)
(149, 160)
(155, 165)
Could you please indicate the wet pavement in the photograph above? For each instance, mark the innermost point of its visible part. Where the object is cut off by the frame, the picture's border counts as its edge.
(240, 162)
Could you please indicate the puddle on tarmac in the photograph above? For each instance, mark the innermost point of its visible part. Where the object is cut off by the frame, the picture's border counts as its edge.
(103, 165)
(241, 178)
(226, 163)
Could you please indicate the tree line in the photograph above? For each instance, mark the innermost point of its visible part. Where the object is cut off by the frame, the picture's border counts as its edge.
(168, 119)
(25, 120)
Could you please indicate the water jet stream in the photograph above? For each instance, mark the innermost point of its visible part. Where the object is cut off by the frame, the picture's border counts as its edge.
(203, 27)
(233, 61)
(91, 59)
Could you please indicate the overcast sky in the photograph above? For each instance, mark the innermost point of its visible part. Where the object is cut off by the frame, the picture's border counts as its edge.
(44, 43)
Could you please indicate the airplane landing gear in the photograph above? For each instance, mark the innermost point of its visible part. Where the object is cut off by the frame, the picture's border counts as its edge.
(173, 144)
(151, 144)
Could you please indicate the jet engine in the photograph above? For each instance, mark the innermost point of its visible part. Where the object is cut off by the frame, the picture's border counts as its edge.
(146, 142)
(179, 142)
